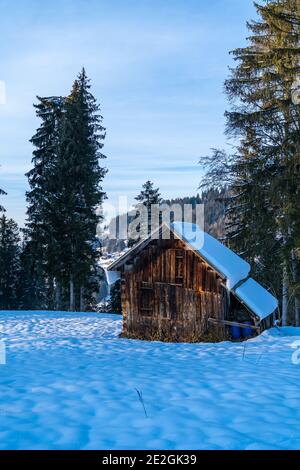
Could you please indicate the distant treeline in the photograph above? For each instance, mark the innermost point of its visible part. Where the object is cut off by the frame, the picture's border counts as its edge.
(214, 201)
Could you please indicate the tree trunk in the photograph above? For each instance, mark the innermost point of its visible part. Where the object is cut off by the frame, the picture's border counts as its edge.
(82, 303)
(72, 295)
(295, 279)
(297, 311)
(57, 295)
(285, 292)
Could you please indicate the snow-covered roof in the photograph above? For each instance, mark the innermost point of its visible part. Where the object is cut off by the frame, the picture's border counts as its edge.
(225, 261)
(256, 298)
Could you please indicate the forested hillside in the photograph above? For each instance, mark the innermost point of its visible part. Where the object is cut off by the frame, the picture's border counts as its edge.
(214, 201)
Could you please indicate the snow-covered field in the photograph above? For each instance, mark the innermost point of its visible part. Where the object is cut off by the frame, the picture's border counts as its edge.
(70, 382)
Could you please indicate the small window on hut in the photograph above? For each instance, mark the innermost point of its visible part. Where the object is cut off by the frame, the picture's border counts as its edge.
(146, 300)
(179, 255)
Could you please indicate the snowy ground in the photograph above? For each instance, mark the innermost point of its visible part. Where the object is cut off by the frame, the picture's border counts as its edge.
(70, 383)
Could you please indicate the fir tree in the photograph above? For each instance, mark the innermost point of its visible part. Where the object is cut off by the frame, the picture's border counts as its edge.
(33, 290)
(9, 263)
(41, 250)
(65, 191)
(149, 200)
(264, 172)
(79, 176)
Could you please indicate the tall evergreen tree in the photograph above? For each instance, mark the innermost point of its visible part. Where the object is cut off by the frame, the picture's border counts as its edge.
(65, 192)
(40, 249)
(9, 263)
(33, 288)
(264, 172)
(79, 176)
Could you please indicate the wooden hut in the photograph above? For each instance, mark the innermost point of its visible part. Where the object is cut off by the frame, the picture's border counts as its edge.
(181, 284)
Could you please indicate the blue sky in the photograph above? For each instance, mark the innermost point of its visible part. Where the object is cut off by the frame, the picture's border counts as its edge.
(157, 68)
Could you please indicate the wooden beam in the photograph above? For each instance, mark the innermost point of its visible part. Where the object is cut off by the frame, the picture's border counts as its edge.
(232, 323)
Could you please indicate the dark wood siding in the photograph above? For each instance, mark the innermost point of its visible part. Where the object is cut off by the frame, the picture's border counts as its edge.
(169, 293)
